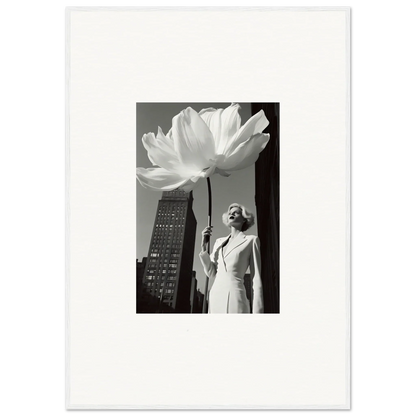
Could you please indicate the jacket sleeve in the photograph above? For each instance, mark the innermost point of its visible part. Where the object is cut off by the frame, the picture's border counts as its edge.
(255, 271)
(209, 262)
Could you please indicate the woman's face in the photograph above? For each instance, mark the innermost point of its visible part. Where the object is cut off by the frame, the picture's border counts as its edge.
(235, 217)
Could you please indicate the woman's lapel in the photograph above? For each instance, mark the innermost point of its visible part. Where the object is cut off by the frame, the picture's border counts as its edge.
(238, 240)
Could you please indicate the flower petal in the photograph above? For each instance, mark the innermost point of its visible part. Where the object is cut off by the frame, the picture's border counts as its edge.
(147, 143)
(189, 186)
(223, 124)
(166, 140)
(255, 125)
(222, 172)
(246, 153)
(206, 172)
(160, 179)
(159, 152)
(192, 140)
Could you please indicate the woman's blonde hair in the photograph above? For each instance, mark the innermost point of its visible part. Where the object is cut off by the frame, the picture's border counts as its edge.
(249, 216)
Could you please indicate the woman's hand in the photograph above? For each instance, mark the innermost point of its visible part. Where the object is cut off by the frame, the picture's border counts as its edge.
(206, 234)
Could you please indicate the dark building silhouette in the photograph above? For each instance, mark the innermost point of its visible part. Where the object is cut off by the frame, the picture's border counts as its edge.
(140, 266)
(249, 289)
(167, 277)
(267, 171)
(193, 297)
(199, 305)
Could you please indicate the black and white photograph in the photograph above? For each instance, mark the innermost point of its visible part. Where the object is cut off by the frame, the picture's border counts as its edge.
(217, 158)
(207, 208)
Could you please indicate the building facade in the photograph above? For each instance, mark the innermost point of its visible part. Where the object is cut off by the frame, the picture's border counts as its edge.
(167, 278)
(267, 189)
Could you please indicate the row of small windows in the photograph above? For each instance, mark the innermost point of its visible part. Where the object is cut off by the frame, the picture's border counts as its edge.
(161, 268)
(178, 214)
(174, 247)
(168, 214)
(171, 277)
(162, 243)
(153, 263)
(169, 205)
(170, 284)
(164, 259)
(160, 246)
(169, 289)
(169, 225)
(159, 291)
(164, 230)
(163, 252)
(171, 273)
(159, 239)
(162, 234)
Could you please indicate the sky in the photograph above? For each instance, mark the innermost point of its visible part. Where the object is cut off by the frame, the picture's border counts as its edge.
(239, 187)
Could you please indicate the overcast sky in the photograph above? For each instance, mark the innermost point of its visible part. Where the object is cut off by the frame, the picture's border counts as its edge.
(239, 187)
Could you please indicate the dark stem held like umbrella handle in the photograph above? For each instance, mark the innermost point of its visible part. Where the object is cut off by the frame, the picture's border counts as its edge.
(209, 208)
(204, 306)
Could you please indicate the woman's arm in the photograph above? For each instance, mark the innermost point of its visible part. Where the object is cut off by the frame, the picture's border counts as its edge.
(255, 271)
(206, 235)
(208, 262)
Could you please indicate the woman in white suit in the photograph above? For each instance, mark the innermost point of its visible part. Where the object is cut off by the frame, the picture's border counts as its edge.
(230, 258)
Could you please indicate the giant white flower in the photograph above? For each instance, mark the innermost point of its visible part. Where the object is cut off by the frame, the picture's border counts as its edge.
(199, 145)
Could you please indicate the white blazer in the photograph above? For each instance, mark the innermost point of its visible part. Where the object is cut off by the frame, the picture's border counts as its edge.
(234, 258)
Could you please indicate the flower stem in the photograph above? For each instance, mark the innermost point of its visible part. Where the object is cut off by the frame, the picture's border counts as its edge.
(204, 306)
(209, 206)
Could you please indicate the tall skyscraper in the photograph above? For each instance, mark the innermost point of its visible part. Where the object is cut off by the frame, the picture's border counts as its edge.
(267, 188)
(167, 277)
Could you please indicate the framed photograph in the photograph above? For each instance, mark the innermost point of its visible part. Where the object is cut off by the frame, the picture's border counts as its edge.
(211, 145)
(244, 165)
